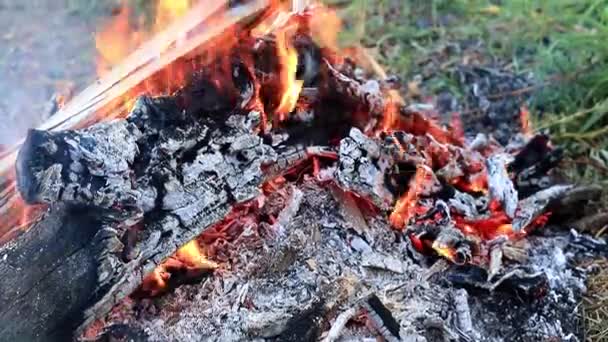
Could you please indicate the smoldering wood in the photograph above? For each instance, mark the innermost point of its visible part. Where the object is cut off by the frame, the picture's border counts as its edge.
(186, 172)
(500, 185)
(360, 169)
(382, 318)
(287, 280)
(532, 207)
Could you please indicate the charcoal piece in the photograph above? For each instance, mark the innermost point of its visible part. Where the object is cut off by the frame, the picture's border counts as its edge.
(523, 284)
(518, 282)
(532, 207)
(89, 167)
(359, 171)
(534, 152)
(369, 94)
(587, 244)
(121, 333)
(536, 177)
(495, 263)
(382, 318)
(465, 204)
(305, 326)
(452, 244)
(463, 315)
(500, 185)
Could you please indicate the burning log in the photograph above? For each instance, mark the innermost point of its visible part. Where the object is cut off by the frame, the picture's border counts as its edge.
(188, 172)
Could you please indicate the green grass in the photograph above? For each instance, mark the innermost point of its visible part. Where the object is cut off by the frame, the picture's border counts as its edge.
(562, 42)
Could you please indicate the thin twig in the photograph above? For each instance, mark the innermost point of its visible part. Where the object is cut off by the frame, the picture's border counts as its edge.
(336, 329)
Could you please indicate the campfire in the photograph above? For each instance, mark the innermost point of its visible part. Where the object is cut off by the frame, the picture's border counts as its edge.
(256, 183)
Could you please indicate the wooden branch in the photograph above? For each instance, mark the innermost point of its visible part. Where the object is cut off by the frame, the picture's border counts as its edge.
(105, 98)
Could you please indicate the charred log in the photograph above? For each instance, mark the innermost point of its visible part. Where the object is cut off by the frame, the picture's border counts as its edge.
(183, 174)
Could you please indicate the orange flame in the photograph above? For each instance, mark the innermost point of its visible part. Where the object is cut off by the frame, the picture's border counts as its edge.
(167, 11)
(116, 41)
(406, 205)
(390, 118)
(121, 35)
(288, 59)
(524, 117)
(189, 257)
(325, 24)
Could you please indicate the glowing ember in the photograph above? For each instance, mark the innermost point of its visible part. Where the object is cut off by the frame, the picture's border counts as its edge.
(191, 255)
(473, 183)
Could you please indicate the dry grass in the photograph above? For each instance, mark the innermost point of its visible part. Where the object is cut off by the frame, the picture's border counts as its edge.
(595, 304)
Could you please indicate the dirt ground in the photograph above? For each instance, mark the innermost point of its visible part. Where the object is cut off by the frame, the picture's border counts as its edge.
(46, 46)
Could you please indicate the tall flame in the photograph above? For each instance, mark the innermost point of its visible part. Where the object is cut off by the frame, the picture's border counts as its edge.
(288, 59)
(121, 35)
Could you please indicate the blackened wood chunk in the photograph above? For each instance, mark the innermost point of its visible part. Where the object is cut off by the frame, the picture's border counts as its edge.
(89, 167)
(360, 169)
(305, 326)
(382, 318)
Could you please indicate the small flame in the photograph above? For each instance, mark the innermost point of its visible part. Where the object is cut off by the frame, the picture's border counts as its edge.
(121, 35)
(288, 59)
(406, 205)
(325, 24)
(444, 251)
(191, 255)
(390, 118)
(188, 257)
(524, 117)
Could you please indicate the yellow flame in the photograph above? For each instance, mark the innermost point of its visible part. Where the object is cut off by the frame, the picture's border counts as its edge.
(444, 251)
(288, 57)
(192, 255)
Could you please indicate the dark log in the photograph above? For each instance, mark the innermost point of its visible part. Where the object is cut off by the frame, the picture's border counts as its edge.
(182, 173)
(48, 275)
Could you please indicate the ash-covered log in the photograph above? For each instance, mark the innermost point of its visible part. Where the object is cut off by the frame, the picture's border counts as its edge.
(181, 173)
